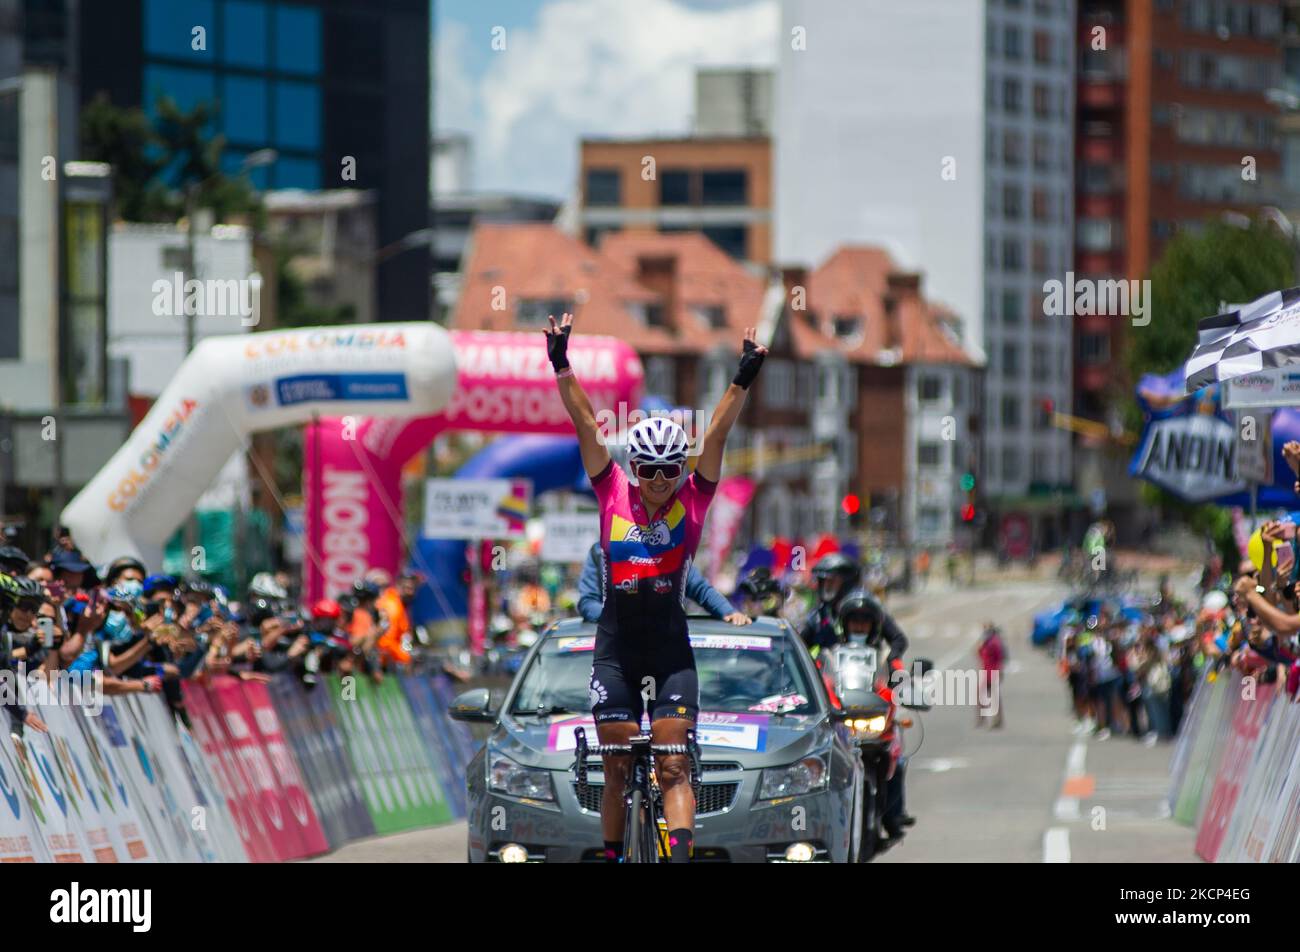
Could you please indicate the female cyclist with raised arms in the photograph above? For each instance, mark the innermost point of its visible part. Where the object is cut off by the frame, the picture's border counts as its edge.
(649, 532)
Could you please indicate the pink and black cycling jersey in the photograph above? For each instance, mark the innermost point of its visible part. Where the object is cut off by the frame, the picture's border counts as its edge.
(647, 557)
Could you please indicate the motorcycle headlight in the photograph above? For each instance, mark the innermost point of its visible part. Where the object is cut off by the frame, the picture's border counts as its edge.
(516, 780)
(804, 776)
(868, 726)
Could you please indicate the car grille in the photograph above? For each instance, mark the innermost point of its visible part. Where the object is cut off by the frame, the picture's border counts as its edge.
(712, 798)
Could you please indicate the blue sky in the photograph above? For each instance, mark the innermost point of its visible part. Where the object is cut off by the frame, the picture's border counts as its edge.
(580, 67)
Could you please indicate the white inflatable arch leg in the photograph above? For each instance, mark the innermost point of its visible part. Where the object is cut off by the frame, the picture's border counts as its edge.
(232, 386)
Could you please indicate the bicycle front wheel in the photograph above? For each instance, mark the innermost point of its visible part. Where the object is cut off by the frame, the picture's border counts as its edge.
(635, 829)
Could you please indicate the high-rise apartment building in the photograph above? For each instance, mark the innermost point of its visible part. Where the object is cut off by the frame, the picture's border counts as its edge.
(943, 132)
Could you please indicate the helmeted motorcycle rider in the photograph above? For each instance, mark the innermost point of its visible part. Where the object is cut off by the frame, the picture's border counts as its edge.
(835, 574)
(861, 618)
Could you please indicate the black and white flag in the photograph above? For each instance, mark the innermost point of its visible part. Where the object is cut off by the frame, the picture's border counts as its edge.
(1262, 335)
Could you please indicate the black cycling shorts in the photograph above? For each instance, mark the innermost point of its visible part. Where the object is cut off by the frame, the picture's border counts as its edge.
(631, 674)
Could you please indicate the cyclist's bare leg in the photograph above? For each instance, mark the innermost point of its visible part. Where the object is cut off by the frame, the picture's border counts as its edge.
(616, 773)
(674, 773)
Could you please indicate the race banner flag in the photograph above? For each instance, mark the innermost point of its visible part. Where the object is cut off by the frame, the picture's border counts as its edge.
(725, 515)
(1252, 338)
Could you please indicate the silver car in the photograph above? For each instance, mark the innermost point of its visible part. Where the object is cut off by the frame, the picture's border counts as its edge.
(781, 780)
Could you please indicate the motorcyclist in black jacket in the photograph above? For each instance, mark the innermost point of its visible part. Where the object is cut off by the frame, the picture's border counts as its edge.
(835, 574)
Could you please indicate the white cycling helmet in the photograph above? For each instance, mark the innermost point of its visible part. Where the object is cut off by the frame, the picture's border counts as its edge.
(656, 440)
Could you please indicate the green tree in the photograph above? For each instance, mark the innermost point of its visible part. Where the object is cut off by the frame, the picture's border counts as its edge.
(125, 140)
(156, 162)
(1221, 263)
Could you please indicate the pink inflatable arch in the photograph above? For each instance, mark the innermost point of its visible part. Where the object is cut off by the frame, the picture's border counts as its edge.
(352, 466)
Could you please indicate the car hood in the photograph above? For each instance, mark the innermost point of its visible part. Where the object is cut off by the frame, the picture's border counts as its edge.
(767, 741)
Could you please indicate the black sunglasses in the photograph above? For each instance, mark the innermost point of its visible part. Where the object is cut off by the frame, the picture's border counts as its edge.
(668, 471)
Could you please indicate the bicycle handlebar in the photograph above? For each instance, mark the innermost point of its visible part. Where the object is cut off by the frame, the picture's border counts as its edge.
(641, 744)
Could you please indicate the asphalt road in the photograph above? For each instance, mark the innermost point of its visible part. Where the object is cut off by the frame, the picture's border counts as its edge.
(1031, 791)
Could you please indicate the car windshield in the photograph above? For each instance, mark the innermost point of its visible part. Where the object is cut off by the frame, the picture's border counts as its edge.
(738, 674)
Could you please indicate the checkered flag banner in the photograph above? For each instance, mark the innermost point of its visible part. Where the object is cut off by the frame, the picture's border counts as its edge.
(1261, 335)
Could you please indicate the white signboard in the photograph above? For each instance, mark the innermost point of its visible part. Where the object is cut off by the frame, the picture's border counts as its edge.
(568, 536)
(1255, 455)
(476, 508)
(1273, 387)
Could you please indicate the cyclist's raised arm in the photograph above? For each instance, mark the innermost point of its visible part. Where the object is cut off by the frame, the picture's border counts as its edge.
(728, 409)
(595, 457)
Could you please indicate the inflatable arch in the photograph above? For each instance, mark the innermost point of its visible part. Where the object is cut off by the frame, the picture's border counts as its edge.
(231, 386)
(352, 483)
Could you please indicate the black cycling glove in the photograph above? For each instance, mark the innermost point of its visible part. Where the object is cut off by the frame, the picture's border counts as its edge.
(750, 361)
(557, 348)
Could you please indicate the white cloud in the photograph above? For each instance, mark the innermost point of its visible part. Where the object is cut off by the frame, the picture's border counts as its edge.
(591, 68)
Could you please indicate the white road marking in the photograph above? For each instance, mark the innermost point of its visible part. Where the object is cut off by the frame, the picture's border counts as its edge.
(1056, 845)
(1074, 763)
(939, 764)
(1067, 808)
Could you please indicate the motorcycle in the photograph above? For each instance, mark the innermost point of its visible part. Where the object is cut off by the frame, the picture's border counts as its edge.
(870, 713)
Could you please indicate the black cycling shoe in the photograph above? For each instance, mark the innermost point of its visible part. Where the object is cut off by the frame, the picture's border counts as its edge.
(907, 820)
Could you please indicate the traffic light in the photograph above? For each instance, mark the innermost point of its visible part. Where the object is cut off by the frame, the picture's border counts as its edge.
(852, 507)
(968, 487)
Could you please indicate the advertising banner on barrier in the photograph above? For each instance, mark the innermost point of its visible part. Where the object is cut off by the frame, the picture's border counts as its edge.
(209, 823)
(307, 748)
(1204, 746)
(289, 781)
(1191, 724)
(414, 759)
(49, 835)
(20, 839)
(1257, 814)
(400, 794)
(1247, 724)
(356, 816)
(67, 823)
(444, 692)
(165, 828)
(229, 844)
(1282, 844)
(220, 757)
(241, 734)
(111, 828)
(446, 760)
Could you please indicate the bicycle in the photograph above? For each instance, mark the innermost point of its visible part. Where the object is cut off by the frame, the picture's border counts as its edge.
(645, 840)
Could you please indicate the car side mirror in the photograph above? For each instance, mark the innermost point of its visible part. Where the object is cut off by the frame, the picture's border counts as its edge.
(473, 705)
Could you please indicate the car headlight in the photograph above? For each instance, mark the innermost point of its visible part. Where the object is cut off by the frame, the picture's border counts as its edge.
(867, 726)
(803, 776)
(516, 780)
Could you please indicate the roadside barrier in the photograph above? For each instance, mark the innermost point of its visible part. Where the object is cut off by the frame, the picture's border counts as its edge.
(263, 773)
(1235, 774)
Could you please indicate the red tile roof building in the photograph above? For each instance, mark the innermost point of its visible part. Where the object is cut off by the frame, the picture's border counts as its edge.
(850, 347)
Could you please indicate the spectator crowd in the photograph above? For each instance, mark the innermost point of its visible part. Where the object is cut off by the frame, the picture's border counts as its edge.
(137, 632)
(1132, 668)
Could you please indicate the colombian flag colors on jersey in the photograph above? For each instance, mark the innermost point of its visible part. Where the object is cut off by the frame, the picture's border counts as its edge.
(646, 556)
